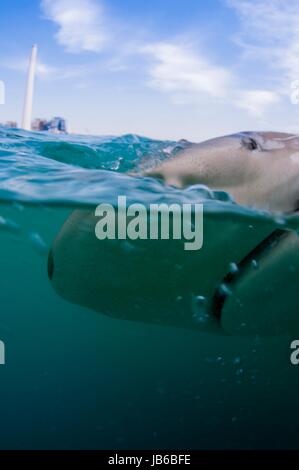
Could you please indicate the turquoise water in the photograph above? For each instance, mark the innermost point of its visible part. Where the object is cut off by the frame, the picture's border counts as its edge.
(75, 378)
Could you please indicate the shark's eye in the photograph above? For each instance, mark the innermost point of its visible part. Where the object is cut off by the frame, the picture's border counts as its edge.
(250, 143)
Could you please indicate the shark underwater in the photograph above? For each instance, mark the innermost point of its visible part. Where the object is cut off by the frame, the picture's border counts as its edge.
(245, 278)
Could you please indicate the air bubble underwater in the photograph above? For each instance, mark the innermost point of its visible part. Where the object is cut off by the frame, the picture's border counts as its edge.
(199, 309)
(224, 290)
(233, 268)
(254, 264)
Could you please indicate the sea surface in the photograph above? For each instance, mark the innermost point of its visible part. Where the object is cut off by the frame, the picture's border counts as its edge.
(75, 378)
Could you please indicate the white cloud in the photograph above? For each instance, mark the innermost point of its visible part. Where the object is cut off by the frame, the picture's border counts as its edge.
(187, 76)
(80, 24)
(256, 102)
(44, 71)
(176, 68)
(270, 32)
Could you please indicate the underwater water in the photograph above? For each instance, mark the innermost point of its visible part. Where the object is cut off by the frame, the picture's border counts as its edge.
(77, 379)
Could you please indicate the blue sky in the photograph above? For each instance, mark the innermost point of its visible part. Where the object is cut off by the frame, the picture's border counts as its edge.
(166, 68)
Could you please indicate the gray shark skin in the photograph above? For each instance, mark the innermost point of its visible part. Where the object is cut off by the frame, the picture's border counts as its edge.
(257, 169)
(158, 282)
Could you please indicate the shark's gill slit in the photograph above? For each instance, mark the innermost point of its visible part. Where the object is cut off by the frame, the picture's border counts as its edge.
(50, 265)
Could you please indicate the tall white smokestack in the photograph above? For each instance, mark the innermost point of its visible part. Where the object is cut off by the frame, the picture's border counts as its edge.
(27, 112)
